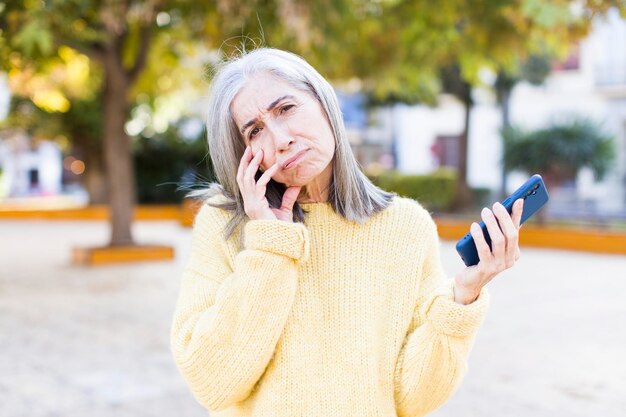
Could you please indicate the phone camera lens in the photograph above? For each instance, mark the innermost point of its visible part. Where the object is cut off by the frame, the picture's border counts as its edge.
(536, 186)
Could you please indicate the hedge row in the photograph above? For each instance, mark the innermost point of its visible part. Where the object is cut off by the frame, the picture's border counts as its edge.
(434, 191)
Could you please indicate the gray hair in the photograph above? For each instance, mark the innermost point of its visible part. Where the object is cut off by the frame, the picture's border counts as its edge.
(352, 194)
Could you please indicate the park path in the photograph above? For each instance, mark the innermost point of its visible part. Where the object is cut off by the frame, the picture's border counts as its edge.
(78, 341)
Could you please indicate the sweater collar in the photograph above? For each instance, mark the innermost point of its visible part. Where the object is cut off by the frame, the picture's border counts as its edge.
(322, 212)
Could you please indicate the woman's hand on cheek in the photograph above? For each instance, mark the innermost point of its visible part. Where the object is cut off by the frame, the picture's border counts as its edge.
(255, 203)
(503, 254)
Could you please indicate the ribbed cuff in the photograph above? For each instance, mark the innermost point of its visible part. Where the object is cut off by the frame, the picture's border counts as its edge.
(452, 318)
(278, 237)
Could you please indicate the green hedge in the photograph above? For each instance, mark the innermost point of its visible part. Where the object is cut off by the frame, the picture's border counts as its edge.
(434, 191)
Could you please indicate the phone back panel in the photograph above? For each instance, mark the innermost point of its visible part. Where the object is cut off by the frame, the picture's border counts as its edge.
(535, 195)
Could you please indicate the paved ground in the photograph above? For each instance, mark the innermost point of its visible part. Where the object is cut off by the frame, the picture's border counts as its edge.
(78, 341)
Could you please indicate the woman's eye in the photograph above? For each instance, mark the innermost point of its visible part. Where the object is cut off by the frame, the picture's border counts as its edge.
(254, 132)
(286, 108)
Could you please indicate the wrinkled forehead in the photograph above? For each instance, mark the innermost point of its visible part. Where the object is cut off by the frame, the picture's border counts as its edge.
(259, 92)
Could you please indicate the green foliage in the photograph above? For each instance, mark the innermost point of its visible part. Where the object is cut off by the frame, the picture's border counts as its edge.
(536, 69)
(560, 150)
(167, 165)
(34, 39)
(434, 191)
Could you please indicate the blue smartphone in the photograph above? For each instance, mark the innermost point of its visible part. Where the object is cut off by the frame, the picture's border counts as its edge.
(535, 195)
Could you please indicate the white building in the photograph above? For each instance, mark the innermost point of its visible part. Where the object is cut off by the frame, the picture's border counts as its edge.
(29, 170)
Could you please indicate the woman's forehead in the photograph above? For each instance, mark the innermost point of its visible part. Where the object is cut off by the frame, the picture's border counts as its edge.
(258, 95)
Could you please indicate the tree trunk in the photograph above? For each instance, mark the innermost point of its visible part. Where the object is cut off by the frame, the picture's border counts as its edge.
(95, 177)
(505, 96)
(117, 150)
(394, 135)
(463, 198)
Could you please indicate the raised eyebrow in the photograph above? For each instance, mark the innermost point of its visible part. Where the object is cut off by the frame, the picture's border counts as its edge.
(269, 108)
(278, 100)
(247, 125)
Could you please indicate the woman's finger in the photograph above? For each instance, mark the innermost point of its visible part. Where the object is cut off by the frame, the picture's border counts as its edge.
(510, 233)
(497, 238)
(243, 164)
(516, 215)
(484, 253)
(289, 198)
(251, 170)
(264, 179)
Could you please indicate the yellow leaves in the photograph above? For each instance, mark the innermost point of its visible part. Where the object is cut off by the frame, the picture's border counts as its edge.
(52, 85)
(51, 100)
(76, 74)
(39, 88)
(164, 82)
(519, 22)
(79, 25)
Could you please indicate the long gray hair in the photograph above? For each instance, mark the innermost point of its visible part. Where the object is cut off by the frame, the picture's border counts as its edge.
(352, 194)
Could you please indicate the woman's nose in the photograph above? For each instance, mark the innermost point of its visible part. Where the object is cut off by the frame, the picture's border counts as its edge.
(281, 137)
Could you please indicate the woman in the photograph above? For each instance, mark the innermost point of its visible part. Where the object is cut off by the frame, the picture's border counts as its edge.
(309, 291)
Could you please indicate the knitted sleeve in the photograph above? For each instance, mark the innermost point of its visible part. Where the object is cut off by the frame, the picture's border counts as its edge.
(228, 320)
(433, 359)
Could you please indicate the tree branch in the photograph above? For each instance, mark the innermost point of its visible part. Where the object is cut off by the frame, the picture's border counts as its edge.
(145, 39)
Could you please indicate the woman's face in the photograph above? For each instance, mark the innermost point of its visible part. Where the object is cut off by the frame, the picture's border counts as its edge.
(284, 122)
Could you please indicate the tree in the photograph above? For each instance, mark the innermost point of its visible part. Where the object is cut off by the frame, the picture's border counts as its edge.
(138, 51)
(422, 49)
(513, 39)
(116, 37)
(535, 70)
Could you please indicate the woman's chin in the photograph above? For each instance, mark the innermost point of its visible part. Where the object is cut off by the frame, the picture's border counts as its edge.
(293, 183)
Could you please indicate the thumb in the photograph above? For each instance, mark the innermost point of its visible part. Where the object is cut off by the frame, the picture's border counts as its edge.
(289, 198)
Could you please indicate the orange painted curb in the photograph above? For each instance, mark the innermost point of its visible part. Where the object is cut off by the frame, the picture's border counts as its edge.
(589, 240)
(95, 212)
(188, 211)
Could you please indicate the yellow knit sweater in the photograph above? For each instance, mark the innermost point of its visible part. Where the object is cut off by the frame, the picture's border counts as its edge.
(323, 319)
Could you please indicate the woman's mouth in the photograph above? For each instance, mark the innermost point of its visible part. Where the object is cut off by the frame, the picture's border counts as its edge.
(294, 160)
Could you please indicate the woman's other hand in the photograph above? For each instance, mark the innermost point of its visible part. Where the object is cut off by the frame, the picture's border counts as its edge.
(255, 203)
(503, 254)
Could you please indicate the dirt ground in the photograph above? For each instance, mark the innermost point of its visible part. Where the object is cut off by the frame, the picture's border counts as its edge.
(78, 341)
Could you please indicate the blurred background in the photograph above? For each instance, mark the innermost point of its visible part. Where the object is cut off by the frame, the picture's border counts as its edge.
(454, 103)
